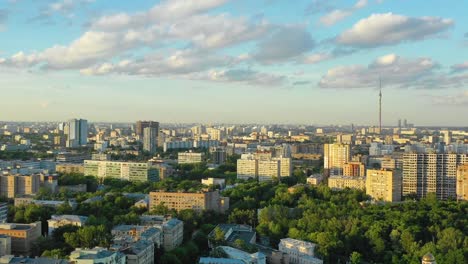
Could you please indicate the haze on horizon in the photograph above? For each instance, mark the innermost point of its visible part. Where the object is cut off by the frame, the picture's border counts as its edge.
(265, 61)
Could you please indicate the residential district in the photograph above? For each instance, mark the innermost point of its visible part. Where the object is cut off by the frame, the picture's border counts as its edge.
(144, 193)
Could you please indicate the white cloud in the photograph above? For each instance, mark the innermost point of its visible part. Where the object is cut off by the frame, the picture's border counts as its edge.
(335, 16)
(389, 28)
(249, 77)
(394, 71)
(316, 58)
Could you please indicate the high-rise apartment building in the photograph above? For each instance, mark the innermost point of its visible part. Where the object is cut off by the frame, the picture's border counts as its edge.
(195, 201)
(462, 182)
(384, 185)
(150, 139)
(354, 168)
(268, 170)
(77, 133)
(334, 158)
(247, 168)
(425, 173)
(141, 125)
(130, 171)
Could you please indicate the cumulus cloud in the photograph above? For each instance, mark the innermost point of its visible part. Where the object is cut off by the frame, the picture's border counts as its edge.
(284, 44)
(65, 8)
(179, 62)
(389, 29)
(337, 15)
(316, 58)
(318, 6)
(394, 70)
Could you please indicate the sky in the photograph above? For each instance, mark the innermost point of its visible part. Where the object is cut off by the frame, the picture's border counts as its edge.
(238, 61)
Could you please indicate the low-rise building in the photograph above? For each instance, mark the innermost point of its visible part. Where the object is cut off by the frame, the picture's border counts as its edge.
(22, 236)
(315, 179)
(172, 229)
(140, 252)
(97, 255)
(67, 168)
(130, 171)
(232, 232)
(57, 221)
(247, 258)
(299, 252)
(196, 201)
(341, 182)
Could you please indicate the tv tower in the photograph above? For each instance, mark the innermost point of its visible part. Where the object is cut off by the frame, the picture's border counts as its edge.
(380, 105)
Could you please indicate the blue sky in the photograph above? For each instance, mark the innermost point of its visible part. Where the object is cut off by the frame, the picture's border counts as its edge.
(242, 61)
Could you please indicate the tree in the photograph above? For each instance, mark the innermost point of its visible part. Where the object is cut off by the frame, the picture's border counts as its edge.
(355, 258)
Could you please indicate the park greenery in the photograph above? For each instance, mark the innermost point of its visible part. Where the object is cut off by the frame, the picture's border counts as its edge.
(345, 226)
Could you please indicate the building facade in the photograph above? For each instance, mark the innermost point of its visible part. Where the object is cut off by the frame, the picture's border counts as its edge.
(354, 168)
(425, 173)
(22, 236)
(462, 182)
(77, 133)
(141, 125)
(150, 139)
(384, 185)
(17, 185)
(130, 171)
(299, 252)
(334, 157)
(57, 221)
(341, 182)
(195, 201)
(189, 157)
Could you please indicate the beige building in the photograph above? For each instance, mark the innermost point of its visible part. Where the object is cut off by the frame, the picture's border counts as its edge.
(268, 170)
(195, 201)
(57, 221)
(263, 167)
(69, 168)
(247, 168)
(129, 171)
(384, 185)
(341, 182)
(315, 179)
(334, 157)
(17, 185)
(189, 157)
(22, 236)
(173, 233)
(299, 252)
(354, 168)
(425, 173)
(462, 182)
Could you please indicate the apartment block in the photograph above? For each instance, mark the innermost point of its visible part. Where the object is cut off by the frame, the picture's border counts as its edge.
(384, 185)
(263, 167)
(335, 156)
(195, 201)
(425, 173)
(70, 168)
(97, 255)
(18, 185)
(130, 171)
(354, 168)
(5, 245)
(57, 221)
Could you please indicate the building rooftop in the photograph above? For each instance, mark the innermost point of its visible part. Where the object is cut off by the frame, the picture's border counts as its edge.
(8, 259)
(71, 218)
(220, 260)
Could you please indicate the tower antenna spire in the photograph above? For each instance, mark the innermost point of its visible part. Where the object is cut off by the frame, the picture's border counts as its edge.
(380, 105)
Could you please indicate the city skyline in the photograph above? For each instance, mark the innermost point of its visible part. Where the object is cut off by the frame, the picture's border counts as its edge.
(314, 62)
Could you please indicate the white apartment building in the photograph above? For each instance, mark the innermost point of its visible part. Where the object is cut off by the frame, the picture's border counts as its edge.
(97, 255)
(335, 156)
(299, 252)
(262, 167)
